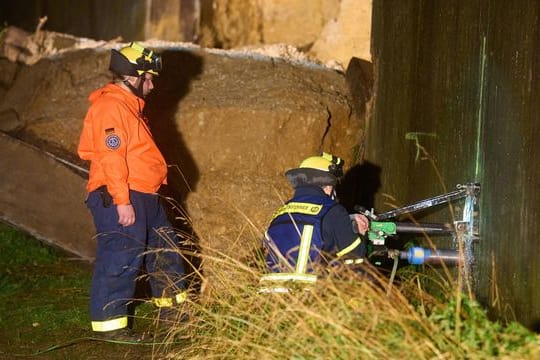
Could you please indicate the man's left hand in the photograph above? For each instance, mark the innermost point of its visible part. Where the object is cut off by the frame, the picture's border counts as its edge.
(126, 214)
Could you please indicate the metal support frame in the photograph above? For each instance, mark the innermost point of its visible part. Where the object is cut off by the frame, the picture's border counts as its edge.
(465, 230)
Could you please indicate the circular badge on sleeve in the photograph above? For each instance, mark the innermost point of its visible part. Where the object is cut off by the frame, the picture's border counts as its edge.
(112, 141)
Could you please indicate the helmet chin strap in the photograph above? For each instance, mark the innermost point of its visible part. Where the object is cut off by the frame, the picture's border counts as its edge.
(138, 91)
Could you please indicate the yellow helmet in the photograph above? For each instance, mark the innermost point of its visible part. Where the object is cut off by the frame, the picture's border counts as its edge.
(317, 170)
(135, 60)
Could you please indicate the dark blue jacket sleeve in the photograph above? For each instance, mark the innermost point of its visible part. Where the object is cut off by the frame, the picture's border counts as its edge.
(338, 234)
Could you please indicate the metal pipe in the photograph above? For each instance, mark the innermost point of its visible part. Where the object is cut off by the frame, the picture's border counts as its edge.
(428, 228)
(424, 204)
(419, 256)
(462, 191)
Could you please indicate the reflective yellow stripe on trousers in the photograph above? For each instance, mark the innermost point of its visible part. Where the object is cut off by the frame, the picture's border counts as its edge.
(110, 325)
(169, 301)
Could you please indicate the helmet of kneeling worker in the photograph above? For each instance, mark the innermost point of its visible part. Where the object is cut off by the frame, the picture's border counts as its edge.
(317, 170)
(134, 60)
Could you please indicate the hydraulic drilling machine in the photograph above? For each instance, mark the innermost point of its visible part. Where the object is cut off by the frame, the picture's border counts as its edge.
(464, 231)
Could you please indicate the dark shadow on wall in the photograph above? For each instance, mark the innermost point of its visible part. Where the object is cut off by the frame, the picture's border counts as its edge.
(180, 68)
(359, 186)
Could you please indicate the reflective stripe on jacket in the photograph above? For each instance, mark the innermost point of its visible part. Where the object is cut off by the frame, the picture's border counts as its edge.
(118, 143)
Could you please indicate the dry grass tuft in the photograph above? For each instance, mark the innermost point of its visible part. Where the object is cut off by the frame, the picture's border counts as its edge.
(346, 315)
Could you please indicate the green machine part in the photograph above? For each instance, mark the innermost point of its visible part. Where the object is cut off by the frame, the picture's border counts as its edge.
(379, 230)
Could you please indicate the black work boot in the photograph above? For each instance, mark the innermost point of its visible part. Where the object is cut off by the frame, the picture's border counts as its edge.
(120, 335)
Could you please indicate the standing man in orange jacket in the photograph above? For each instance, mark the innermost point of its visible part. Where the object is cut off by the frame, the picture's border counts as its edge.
(126, 171)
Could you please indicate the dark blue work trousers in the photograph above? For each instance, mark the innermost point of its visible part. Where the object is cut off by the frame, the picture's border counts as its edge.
(122, 251)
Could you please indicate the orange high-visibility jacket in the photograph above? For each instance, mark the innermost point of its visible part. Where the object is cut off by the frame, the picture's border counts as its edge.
(119, 145)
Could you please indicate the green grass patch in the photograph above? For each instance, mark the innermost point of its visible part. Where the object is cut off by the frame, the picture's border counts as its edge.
(42, 293)
(44, 296)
